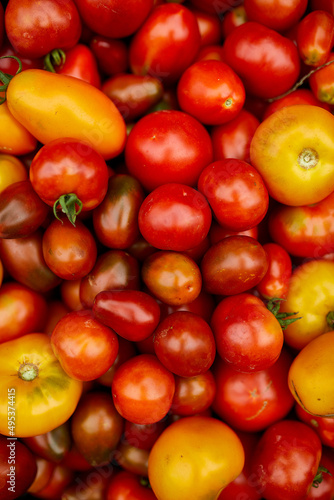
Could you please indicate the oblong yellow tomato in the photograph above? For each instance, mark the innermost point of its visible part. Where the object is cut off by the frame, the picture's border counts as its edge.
(311, 376)
(293, 150)
(36, 395)
(53, 106)
(311, 295)
(194, 458)
(11, 169)
(15, 139)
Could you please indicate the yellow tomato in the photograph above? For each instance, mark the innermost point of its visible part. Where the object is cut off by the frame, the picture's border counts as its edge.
(14, 137)
(194, 458)
(52, 106)
(311, 294)
(11, 170)
(293, 150)
(36, 395)
(311, 376)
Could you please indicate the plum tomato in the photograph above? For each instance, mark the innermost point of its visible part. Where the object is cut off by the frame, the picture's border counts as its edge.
(315, 37)
(278, 15)
(275, 283)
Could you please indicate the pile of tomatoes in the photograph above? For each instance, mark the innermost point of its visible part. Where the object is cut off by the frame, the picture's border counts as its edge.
(167, 249)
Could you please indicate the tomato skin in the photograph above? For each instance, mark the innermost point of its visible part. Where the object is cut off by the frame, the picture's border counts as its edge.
(275, 14)
(127, 486)
(115, 220)
(193, 395)
(275, 283)
(91, 484)
(111, 54)
(185, 442)
(157, 162)
(209, 27)
(60, 478)
(15, 138)
(143, 436)
(85, 348)
(282, 446)
(315, 37)
(323, 426)
(325, 489)
(184, 343)
(132, 314)
(250, 402)
(22, 211)
(248, 46)
(11, 170)
(224, 268)
(131, 458)
(143, 389)
(236, 193)
(211, 92)
(166, 43)
(53, 445)
(218, 233)
(174, 217)
(48, 25)
(321, 82)
(233, 18)
(299, 96)
(80, 63)
(203, 306)
(35, 99)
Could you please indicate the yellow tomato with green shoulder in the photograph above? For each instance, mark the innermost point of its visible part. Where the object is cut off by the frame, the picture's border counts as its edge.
(293, 150)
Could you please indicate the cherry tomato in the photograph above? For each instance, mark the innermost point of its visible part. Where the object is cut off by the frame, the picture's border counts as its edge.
(233, 18)
(324, 489)
(11, 170)
(70, 294)
(91, 484)
(60, 478)
(126, 485)
(131, 458)
(323, 426)
(143, 436)
(209, 27)
(299, 96)
(79, 62)
(275, 283)
(143, 389)
(218, 233)
(126, 349)
(15, 138)
(111, 54)
(193, 395)
(315, 37)
(203, 306)
(276, 14)
(321, 82)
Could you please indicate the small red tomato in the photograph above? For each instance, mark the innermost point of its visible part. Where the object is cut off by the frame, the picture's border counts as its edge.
(211, 92)
(247, 334)
(236, 193)
(85, 348)
(143, 389)
(174, 217)
(321, 82)
(143, 436)
(315, 37)
(233, 265)
(275, 283)
(209, 27)
(132, 314)
(233, 18)
(111, 54)
(193, 395)
(278, 15)
(79, 62)
(184, 343)
(323, 426)
(299, 96)
(127, 483)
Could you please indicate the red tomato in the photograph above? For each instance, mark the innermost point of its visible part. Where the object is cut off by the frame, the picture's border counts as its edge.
(324, 490)
(233, 265)
(131, 458)
(321, 82)
(193, 395)
(214, 52)
(276, 14)
(209, 27)
(84, 347)
(143, 389)
(211, 92)
(174, 217)
(252, 401)
(166, 43)
(232, 139)
(323, 426)
(315, 37)
(79, 62)
(167, 146)
(184, 343)
(203, 306)
(126, 349)
(143, 436)
(248, 46)
(236, 192)
(128, 486)
(46, 25)
(2, 24)
(9, 64)
(299, 96)
(233, 18)
(218, 233)
(275, 283)
(111, 54)
(247, 334)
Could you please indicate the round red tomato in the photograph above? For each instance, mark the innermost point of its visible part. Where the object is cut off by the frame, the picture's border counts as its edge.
(276, 14)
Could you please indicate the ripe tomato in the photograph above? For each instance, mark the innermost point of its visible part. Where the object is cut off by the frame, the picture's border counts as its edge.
(299, 96)
(15, 139)
(127, 483)
(323, 426)
(276, 14)
(275, 283)
(321, 82)
(79, 62)
(176, 468)
(315, 37)
(111, 54)
(292, 150)
(209, 27)
(11, 170)
(193, 395)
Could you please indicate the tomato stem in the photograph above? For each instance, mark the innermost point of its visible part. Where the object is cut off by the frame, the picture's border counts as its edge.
(330, 319)
(56, 57)
(28, 371)
(5, 78)
(284, 319)
(319, 476)
(68, 203)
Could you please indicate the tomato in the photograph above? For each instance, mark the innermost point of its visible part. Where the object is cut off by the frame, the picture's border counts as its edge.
(69, 251)
(43, 395)
(70, 294)
(311, 376)
(126, 349)
(232, 139)
(184, 343)
(218, 233)
(91, 484)
(18, 468)
(233, 265)
(60, 478)
(211, 92)
(324, 489)
(209, 27)
(292, 150)
(85, 348)
(53, 445)
(2, 25)
(203, 306)
(176, 467)
(310, 296)
(236, 193)
(22, 211)
(35, 99)
(133, 95)
(131, 458)
(193, 395)
(151, 154)
(233, 18)
(247, 334)
(275, 283)
(111, 54)
(285, 446)
(252, 401)
(276, 14)
(126, 485)
(96, 427)
(248, 46)
(79, 62)
(143, 436)
(299, 96)
(22, 311)
(321, 82)
(15, 138)
(214, 52)
(132, 314)
(315, 37)
(323, 426)
(116, 18)
(45, 470)
(11, 170)
(143, 389)
(115, 220)
(172, 277)
(9, 64)
(166, 43)
(174, 217)
(47, 26)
